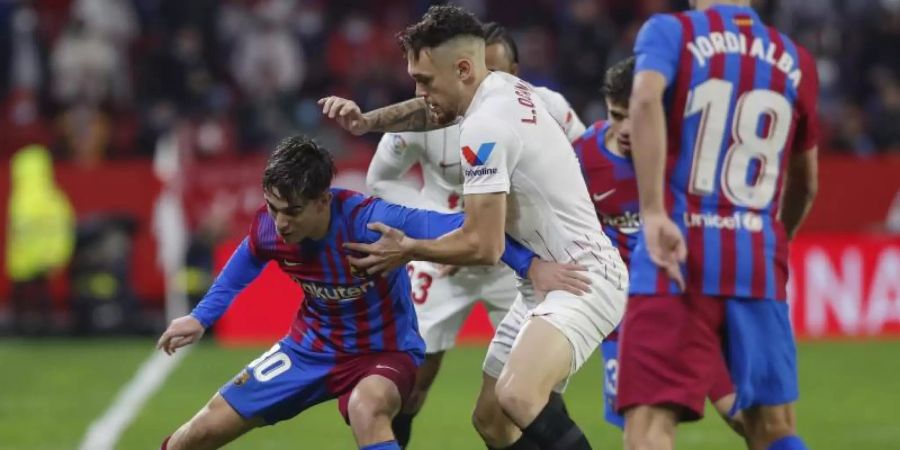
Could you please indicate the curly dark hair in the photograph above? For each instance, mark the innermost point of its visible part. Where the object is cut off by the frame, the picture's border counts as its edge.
(617, 81)
(299, 168)
(440, 24)
(494, 33)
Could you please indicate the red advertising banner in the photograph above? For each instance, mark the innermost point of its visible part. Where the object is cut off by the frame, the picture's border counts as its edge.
(845, 285)
(842, 286)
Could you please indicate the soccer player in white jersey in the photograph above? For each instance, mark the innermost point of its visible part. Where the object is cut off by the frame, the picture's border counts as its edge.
(521, 174)
(443, 296)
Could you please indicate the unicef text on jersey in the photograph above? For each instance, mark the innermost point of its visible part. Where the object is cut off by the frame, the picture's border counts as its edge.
(749, 221)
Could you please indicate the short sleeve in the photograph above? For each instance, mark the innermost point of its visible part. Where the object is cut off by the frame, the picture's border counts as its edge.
(399, 150)
(656, 46)
(562, 112)
(489, 151)
(806, 135)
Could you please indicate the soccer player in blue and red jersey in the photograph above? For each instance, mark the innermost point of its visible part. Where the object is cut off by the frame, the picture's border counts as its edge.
(355, 336)
(604, 152)
(724, 109)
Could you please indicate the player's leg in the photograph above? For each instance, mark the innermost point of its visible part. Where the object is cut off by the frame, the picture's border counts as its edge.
(441, 308)
(371, 390)
(762, 359)
(276, 386)
(524, 387)
(668, 351)
(372, 406)
(425, 376)
(212, 427)
(722, 396)
(496, 429)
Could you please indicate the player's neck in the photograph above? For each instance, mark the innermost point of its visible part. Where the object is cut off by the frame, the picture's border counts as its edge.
(470, 91)
(609, 140)
(705, 4)
(321, 230)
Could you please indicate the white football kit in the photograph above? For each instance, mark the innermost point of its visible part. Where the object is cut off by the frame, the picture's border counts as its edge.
(510, 143)
(443, 302)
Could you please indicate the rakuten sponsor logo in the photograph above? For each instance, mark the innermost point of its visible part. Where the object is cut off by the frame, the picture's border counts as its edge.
(628, 223)
(334, 292)
(738, 221)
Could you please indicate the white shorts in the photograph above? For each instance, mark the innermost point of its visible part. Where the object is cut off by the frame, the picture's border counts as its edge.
(585, 320)
(443, 302)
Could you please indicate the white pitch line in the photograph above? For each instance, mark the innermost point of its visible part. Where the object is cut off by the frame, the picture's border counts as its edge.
(104, 433)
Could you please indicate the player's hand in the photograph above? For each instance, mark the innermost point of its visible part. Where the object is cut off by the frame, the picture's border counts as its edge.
(666, 246)
(549, 276)
(346, 113)
(182, 331)
(387, 253)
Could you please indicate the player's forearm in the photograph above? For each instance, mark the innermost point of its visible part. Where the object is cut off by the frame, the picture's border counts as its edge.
(460, 247)
(798, 199)
(649, 153)
(241, 269)
(411, 115)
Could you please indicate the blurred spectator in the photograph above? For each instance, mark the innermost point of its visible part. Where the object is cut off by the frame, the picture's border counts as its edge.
(850, 134)
(886, 112)
(40, 237)
(88, 68)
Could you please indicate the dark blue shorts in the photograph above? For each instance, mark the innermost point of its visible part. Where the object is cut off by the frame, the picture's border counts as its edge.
(286, 380)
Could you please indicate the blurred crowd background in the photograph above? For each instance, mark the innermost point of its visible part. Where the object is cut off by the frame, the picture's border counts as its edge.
(99, 80)
(145, 122)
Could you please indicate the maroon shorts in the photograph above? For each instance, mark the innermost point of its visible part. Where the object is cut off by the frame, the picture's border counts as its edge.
(398, 367)
(670, 353)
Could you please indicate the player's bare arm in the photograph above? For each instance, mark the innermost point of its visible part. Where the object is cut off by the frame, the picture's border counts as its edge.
(800, 189)
(410, 115)
(664, 240)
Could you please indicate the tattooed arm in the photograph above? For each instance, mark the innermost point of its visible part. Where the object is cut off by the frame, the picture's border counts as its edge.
(411, 115)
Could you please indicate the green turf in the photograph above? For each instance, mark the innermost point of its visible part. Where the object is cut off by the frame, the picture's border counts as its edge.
(52, 390)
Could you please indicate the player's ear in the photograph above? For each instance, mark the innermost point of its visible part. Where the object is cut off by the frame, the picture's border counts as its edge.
(325, 200)
(463, 68)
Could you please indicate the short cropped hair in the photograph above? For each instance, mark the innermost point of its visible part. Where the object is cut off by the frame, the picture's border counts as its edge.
(440, 24)
(300, 169)
(494, 33)
(617, 81)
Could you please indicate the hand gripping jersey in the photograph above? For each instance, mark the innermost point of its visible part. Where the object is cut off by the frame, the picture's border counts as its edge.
(343, 311)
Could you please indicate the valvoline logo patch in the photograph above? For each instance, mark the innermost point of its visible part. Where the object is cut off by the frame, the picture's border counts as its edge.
(481, 157)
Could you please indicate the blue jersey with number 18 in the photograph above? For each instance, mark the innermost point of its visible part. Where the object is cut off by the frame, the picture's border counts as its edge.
(740, 97)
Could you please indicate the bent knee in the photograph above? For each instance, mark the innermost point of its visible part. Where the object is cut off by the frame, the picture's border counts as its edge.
(366, 404)
(515, 399)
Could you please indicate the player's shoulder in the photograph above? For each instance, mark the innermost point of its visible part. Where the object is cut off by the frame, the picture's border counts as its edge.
(263, 237)
(589, 146)
(591, 134)
(347, 200)
(672, 21)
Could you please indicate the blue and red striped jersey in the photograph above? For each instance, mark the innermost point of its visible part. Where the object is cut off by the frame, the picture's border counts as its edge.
(612, 186)
(344, 311)
(740, 98)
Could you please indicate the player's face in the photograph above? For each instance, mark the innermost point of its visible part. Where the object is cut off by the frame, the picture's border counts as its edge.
(620, 125)
(298, 219)
(437, 82)
(497, 58)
